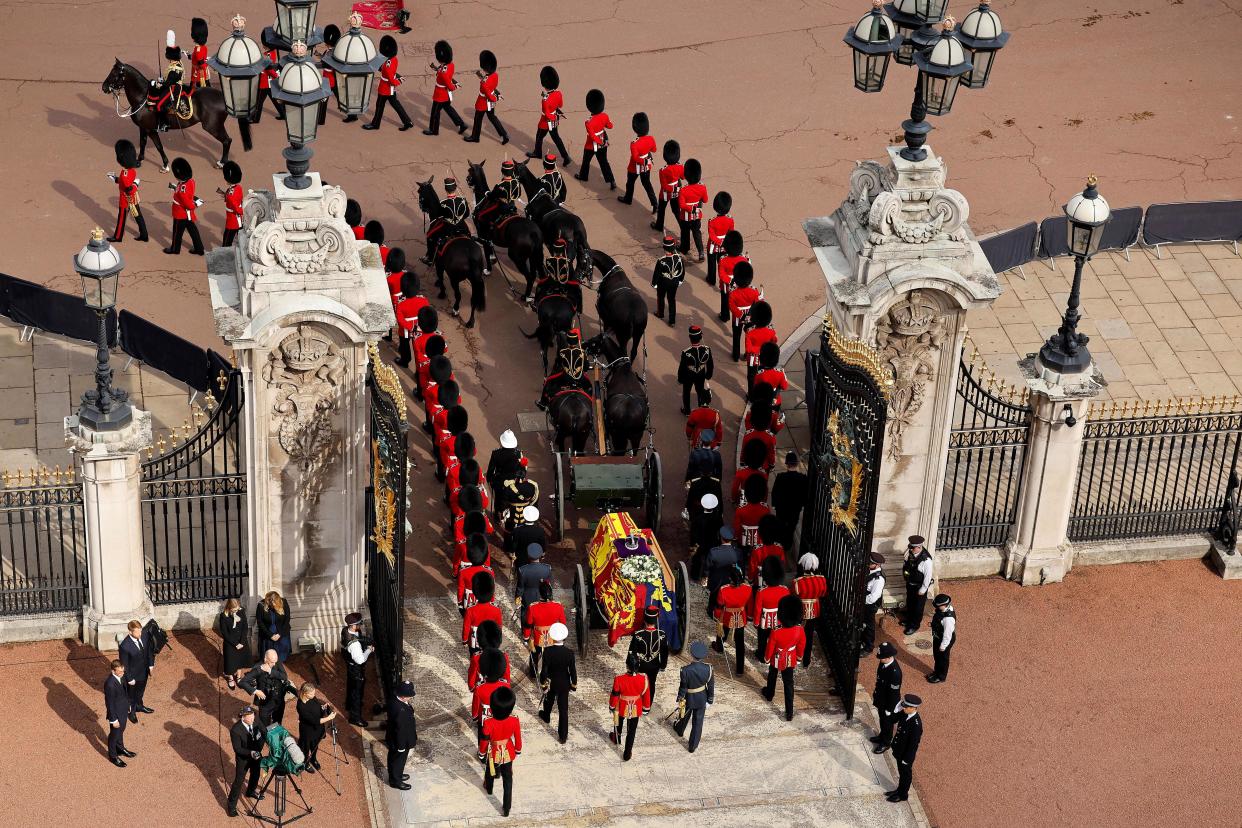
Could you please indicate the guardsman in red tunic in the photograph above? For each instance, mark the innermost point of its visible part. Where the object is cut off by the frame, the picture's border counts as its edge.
(374, 233)
(389, 81)
(492, 670)
(763, 610)
(550, 114)
(750, 464)
(199, 74)
(690, 201)
(671, 175)
(184, 204)
(770, 535)
(489, 94)
(484, 587)
(758, 433)
(439, 372)
(271, 73)
(408, 308)
(747, 516)
(763, 411)
(733, 256)
(232, 202)
(127, 182)
(810, 587)
(704, 418)
(537, 631)
(353, 217)
(785, 648)
(642, 151)
(717, 226)
(331, 36)
(500, 745)
(477, 556)
(769, 374)
(732, 602)
(759, 332)
(629, 700)
(596, 146)
(742, 296)
(442, 95)
(695, 370)
(551, 180)
(490, 635)
(468, 524)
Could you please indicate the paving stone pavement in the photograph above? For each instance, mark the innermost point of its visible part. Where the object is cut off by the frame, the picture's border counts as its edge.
(752, 767)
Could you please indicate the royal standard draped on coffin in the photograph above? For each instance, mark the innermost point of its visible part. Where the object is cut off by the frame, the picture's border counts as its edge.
(648, 583)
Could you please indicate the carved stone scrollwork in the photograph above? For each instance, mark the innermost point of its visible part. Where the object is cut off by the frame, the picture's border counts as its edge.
(906, 337)
(300, 246)
(334, 202)
(305, 373)
(948, 208)
(258, 207)
(868, 178)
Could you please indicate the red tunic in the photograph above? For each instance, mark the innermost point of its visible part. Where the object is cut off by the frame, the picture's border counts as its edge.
(746, 522)
(486, 101)
(420, 345)
(388, 77)
(777, 423)
(394, 287)
(453, 493)
(732, 603)
(631, 695)
(383, 248)
(755, 339)
(810, 588)
(785, 647)
(477, 615)
(473, 676)
(724, 270)
(183, 205)
(776, 378)
(690, 202)
(465, 598)
(548, 114)
(459, 543)
(330, 77)
(198, 66)
(539, 617)
(642, 149)
(596, 131)
(739, 480)
(233, 207)
(759, 555)
(764, 610)
(717, 227)
(769, 441)
(443, 93)
(502, 740)
(481, 698)
(360, 233)
(272, 72)
(701, 419)
(407, 312)
(740, 300)
(670, 181)
(127, 186)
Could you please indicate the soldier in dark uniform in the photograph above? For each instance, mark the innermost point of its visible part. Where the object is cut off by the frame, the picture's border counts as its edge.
(706, 518)
(163, 93)
(917, 573)
(527, 531)
(558, 280)
(529, 577)
(705, 459)
(502, 467)
(558, 676)
(650, 646)
(885, 696)
(696, 367)
(944, 636)
(906, 746)
(452, 221)
(695, 692)
(551, 180)
(356, 651)
(570, 373)
(873, 601)
(669, 273)
(401, 736)
(507, 192)
(722, 559)
(517, 493)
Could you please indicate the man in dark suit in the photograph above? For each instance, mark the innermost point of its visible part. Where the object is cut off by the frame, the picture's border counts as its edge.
(267, 682)
(138, 657)
(558, 675)
(401, 736)
(247, 738)
(116, 707)
(886, 695)
(530, 576)
(790, 490)
(906, 745)
(696, 691)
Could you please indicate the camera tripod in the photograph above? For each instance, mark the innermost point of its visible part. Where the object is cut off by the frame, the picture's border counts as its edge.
(280, 797)
(338, 756)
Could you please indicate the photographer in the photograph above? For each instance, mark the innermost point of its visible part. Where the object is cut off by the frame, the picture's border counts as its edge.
(247, 738)
(268, 682)
(356, 648)
(313, 715)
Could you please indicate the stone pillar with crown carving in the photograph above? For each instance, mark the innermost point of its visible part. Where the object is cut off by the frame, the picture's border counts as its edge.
(903, 270)
(300, 300)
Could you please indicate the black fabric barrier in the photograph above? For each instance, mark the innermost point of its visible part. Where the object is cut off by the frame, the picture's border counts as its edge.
(1121, 232)
(58, 313)
(164, 351)
(1196, 221)
(1008, 250)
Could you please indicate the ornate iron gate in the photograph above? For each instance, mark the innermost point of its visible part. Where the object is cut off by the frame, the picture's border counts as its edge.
(850, 407)
(386, 502)
(983, 470)
(42, 544)
(194, 503)
(1155, 469)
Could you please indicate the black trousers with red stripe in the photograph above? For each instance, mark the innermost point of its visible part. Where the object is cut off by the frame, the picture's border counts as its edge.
(119, 233)
(787, 681)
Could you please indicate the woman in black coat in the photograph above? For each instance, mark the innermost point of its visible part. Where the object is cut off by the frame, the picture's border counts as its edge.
(272, 620)
(234, 629)
(313, 714)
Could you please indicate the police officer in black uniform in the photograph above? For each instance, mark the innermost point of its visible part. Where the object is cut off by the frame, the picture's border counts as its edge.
(650, 646)
(695, 369)
(917, 572)
(873, 601)
(402, 735)
(669, 273)
(356, 650)
(944, 636)
(885, 696)
(906, 745)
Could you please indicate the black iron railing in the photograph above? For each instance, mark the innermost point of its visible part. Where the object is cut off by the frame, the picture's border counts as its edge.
(43, 561)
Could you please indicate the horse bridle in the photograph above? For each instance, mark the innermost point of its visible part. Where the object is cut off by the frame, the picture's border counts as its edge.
(116, 101)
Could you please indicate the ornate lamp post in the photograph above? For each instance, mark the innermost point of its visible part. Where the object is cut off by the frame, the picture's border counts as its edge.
(982, 35)
(874, 40)
(103, 408)
(238, 63)
(295, 21)
(355, 61)
(302, 89)
(1086, 216)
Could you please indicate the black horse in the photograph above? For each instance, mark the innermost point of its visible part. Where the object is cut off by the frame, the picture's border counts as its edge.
(572, 419)
(622, 309)
(518, 235)
(208, 111)
(461, 258)
(625, 396)
(557, 222)
(556, 317)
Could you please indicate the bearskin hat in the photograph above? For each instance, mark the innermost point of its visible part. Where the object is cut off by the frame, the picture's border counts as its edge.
(491, 664)
(171, 50)
(694, 171)
(268, 38)
(733, 244)
(444, 51)
(722, 203)
(640, 123)
(373, 232)
(464, 446)
(181, 169)
(428, 319)
(440, 369)
(489, 633)
(395, 262)
(545, 591)
(743, 275)
(457, 420)
(388, 46)
(754, 454)
(331, 34)
(232, 172)
(773, 571)
(632, 663)
(735, 575)
(755, 488)
(476, 547)
(126, 154)
(448, 394)
(549, 78)
(760, 314)
(487, 61)
(769, 354)
(469, 475)
(595, 101)
(671, 152)
(761, 417)
(502, 702)
(789, 611)
(198, 31)
(483, 585)
(434, 346)
(770, 529)
(410, 286)
(762, 394)
(469, 499)
(353, 212)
